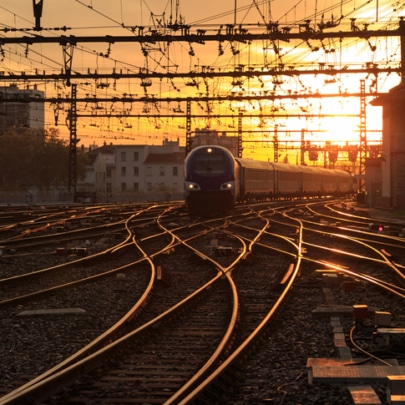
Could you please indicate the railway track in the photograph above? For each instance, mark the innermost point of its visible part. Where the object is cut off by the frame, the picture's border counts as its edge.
(221, 272)
(383, 291)
(214, 294)
(78, 265)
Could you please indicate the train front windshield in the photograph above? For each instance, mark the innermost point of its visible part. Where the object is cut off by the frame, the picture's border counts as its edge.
(210, 164)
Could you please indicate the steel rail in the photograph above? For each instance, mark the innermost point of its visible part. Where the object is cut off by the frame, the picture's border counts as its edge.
(380, 283)
(92, 346)
(205, 370)
(41, 381)
(70, 371)
(245, 346)
(68, 264)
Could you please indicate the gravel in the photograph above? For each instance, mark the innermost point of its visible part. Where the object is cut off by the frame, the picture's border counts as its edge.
(32, 344)
(277, 372)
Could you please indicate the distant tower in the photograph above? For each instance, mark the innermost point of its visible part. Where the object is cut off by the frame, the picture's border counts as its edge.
(16, 113)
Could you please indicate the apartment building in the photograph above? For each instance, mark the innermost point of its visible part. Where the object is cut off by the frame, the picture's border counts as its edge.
(134, 173)
(16, 113)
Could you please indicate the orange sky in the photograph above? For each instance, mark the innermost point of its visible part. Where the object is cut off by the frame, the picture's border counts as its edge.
(99, 17)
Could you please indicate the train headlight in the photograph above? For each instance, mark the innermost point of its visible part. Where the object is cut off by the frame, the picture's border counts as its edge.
(192, 186)
(227, 186)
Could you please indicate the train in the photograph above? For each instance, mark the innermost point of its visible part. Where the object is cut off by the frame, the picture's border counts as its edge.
(215, 180)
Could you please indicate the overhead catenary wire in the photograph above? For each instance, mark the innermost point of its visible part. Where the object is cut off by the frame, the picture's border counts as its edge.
(167, 58)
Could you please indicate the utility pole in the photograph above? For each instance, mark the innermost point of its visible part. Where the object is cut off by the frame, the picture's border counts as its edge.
(240, 134)
(72, 122)
(276, 143)
(37, 4)
(302, 152)
(402, 40)
(188, 127)
(363, 137)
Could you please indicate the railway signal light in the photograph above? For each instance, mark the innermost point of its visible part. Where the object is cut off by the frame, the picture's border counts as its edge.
(376, 228)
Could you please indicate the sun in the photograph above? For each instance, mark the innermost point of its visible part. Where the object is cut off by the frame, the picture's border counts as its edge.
(342, 122)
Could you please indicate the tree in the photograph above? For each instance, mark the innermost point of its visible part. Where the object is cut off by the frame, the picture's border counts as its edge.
(36, 158)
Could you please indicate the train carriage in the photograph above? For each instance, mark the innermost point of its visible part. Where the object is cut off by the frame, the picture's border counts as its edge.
(344, 182)
(256, 179)
(288, 180)
(330, 181)
(312, 181)
(215, 180)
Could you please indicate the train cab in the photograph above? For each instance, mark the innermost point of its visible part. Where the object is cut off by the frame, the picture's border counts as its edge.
(210, 179)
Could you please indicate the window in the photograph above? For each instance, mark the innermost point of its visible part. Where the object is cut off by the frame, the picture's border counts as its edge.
(175, 171)
(136, 171)
(136, 186)
(210, 165)
(123, 186)
(161, 171)
(123, 156)
(149, 186)
(108, 171)
(108, 187)
(123, 171)
(149, 171)
(136, 156)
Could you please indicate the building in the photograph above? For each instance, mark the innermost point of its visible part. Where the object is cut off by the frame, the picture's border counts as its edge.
(93, 186)
(164, 172)
(126, 173)
(211, 137)
(16, 113)
(391, 194)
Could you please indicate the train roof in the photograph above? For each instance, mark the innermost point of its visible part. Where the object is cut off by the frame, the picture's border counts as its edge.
(317, 170)
(310, 169)
(253, 164)
(335, 172)
(282, 167)
(342, 173)
(286, 167)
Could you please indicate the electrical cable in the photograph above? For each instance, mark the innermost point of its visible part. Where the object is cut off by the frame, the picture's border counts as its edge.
(365, 351)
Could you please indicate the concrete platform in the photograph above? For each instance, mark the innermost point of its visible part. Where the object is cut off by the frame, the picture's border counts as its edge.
(351, 374)
(338, 310)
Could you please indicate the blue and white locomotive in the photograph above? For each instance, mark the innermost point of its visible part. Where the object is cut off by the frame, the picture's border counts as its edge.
(211, 178)
(215, 180)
